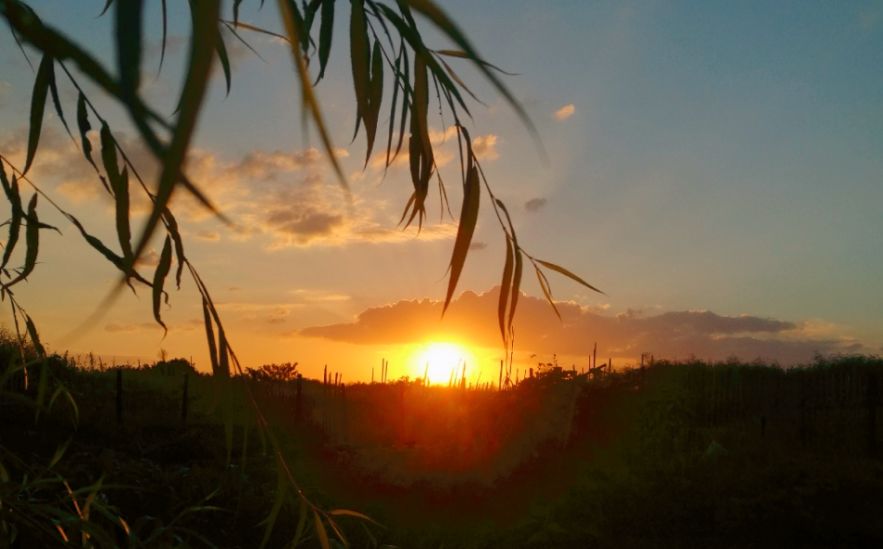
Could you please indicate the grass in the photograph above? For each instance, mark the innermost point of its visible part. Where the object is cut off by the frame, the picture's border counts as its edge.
(684, 454)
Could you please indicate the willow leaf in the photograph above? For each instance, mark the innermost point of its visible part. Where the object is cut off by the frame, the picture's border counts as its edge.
(303, 31)
(38, 105)
(109, 156)
(224, 59)
(56, 102)
(121, 200)
(463, 55)
(128, 45)
(59, 47)
(165, 24)
(32, 242)
(205, 33)
(326, 32)
(12, 194)
(35, 337)
(392, 109)
(99, 246)
(505, 287)
(375, 98)
(223, 354)
(210, 336)
(307, 95)
(159, 278)
(516, 284)
(172, 227)
(568, 274)
(359, 59)
(106, 7)
(465, 230)
(441, 20)
(547, 291)
(84, 127)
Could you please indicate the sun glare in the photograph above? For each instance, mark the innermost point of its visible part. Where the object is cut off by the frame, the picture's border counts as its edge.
(439, 362)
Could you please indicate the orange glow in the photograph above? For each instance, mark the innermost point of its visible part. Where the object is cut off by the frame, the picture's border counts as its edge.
(439, 360)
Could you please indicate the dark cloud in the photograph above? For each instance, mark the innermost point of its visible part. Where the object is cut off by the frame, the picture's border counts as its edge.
(472, 317)
(478, 245)
(535, 204)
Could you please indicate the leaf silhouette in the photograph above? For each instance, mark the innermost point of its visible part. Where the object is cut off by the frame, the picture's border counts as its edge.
(210, 336)
(359, 59)
(128, 45)
(547, 291)
(374, 99)
(468, 220)
(32, 242)
(224, 59)
(38, 104)
(56, 102)
(159, 277)
(35, 337)
(326, 33)
(505, 287)
(205, 30)
(84, 127)
(568, 274)
(307, 95)
(12, 194)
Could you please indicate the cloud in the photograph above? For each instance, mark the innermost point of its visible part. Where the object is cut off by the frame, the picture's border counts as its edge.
(210, 236)
(478, 246)
(485, 147)
(286, 198)
(117, 327)
(565, 112)
(535, 204)
(675, 334)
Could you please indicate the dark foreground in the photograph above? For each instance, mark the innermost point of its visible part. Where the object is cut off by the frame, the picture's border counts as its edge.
(673, 455)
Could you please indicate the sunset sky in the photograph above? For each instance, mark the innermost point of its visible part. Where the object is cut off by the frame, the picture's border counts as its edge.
(715, 167)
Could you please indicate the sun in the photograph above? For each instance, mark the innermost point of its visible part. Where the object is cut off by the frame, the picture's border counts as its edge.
(439, 360)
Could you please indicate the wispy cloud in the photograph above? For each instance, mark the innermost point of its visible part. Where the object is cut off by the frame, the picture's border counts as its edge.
(535, 204)
(704, 334)
(565, 112)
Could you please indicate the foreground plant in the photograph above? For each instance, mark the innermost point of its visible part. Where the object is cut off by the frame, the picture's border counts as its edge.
(390, 63)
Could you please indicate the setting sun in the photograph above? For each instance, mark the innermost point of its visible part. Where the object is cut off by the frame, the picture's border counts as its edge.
(440, 361)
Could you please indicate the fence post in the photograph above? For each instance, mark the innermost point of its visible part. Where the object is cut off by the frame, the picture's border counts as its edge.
(298, 399)
(184, 397)
(872, 413)
(119, 395)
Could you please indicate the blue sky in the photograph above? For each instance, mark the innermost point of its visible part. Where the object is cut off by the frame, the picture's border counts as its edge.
(719, 156)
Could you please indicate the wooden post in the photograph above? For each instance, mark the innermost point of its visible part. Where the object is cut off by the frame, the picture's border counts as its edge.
(184, 397)
(298, 397)
(119, 395)
(325, 375)
(595, 355)
(501, 376)
(872, 413)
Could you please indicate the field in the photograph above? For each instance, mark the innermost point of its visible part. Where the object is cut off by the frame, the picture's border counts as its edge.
(683, 454)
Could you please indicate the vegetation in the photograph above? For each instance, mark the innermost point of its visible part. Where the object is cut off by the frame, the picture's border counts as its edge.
(726, 454)
(394, 72)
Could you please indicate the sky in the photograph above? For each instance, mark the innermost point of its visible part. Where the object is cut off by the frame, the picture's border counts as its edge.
(714, 167)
